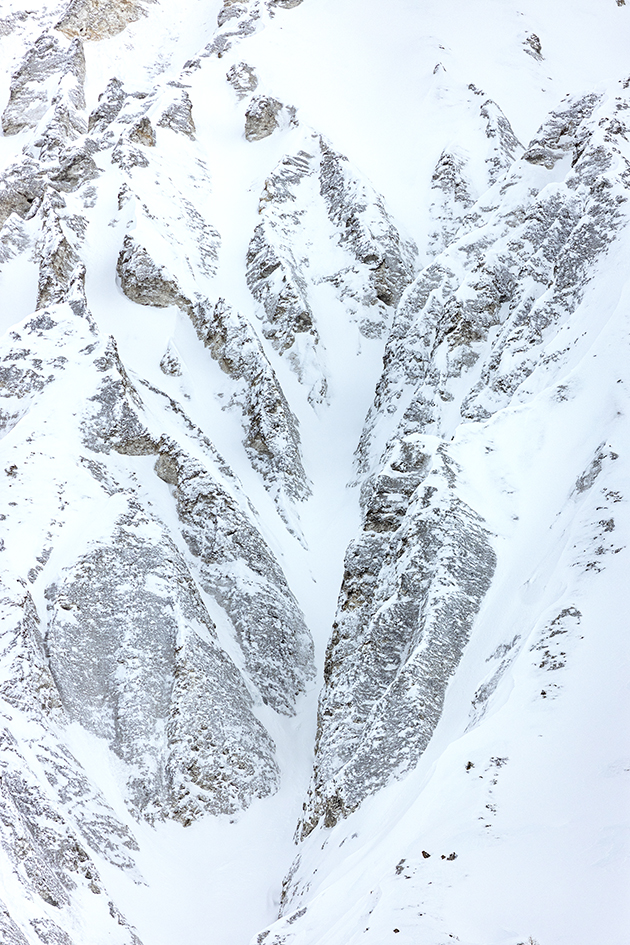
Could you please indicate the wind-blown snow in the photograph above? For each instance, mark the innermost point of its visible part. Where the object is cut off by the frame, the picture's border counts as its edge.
(511, 826)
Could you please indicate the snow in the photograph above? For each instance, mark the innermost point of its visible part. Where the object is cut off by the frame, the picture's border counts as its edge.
(549, 862)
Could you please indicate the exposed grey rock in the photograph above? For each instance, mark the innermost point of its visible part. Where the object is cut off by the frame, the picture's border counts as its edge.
(146, 672)
(76, 167)
(14, 240)
(243, 79)
(533, 46)
(276, 273)
(99, 19)
(21, 189)
(65, 125)
(109, 105)
(555, 236)
(23, 375)
(416, 577)
(143, 281)
(41, 843)
(127, 522)
(505, 147)
(272, 437)
(374, 262)
(177, 115)
(261, 117)
(50, 814)
(365, 227)
(31, 85)
(282, 290)
(143, 133)
(26, 681)
(236, 20)
(269, 625)
(37, 356)
(184, 245)
(59, 258)
(267, 621)
(565, 131)
(170, 363)
(126, 156)
(271, 433)
(412, 586)
(128, 641)
(11, 934)
(463, 172)
(230, 11)
(112, 420)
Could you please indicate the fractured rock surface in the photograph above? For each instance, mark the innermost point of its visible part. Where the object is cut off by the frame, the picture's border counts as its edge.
(367, 264)
(99, 19)
(51, 59)
(412, 587)
(203, 297)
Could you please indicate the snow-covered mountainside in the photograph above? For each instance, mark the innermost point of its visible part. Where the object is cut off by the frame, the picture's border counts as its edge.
(313, 410)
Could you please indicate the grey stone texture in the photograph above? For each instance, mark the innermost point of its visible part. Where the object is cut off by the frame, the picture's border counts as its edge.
(466, 170)
(52, 57)
(261, 117)
(415, 578)
(99, 19)
(242, 78)
(375, 262)
(412, 586)
(136, 659)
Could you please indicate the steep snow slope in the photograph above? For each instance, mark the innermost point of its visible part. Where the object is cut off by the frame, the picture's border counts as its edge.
(314, 306)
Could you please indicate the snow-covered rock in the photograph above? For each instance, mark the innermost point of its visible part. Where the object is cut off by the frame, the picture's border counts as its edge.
(314, 518)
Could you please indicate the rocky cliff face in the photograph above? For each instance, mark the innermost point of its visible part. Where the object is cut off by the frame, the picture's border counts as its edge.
(227, 366)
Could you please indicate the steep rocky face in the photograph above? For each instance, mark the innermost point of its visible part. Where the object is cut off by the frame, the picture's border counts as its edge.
(474, 323)
(203, 297)
(37, 85)
(487, 334)
(125, 644)
(468, 334)
(98, 19)
(154, 682)
(412, 587)
(462, 175)
(117, 669)
(368, 263)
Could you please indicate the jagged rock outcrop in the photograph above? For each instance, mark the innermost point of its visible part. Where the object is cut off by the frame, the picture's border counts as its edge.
(149, 675)
(272, 436)
(99, 19)
(518, 279)
(125, 645)
(368, 263)
(415, 580)
(366, 229)
(465, 171)
(269, 626)
(21, 190)
(413, 584)
(58, 252)
(37, 84)
(236, 20)
(54, 821)
(143, 281)
(271, 432)
(243, 79)
(177, 113)
(264, 115)
(178, 412)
